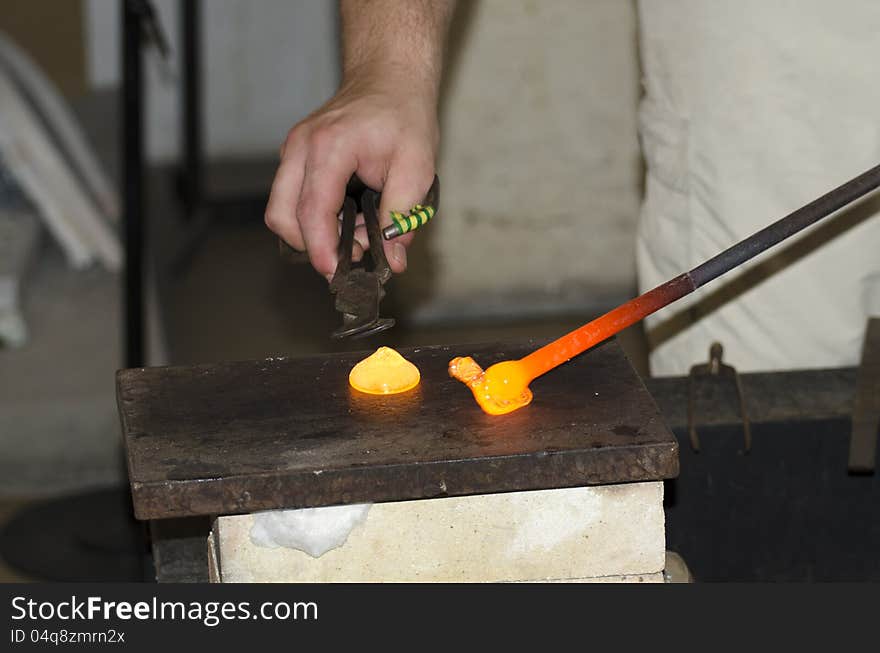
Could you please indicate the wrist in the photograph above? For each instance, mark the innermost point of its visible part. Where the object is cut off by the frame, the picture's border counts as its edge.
(390, 72)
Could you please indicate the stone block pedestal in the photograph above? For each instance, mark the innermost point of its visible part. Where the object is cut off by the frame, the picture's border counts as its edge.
(608, 533)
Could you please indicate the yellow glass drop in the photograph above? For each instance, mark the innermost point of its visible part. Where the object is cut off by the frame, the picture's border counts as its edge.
(385, 372)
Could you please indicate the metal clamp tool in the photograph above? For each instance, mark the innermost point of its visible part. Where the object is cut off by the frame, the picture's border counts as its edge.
(359, 290)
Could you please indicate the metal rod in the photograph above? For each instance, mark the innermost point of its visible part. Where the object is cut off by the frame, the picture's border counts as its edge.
(571, 344)
(133, 165)
(785, 227)
(192, 105)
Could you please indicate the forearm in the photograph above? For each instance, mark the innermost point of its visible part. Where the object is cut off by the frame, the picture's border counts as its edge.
(395, 37)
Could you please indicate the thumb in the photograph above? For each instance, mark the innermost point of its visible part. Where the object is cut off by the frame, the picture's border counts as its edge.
(408, 181)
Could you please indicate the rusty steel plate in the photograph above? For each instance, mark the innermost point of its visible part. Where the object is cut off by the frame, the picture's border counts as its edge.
(238, 437)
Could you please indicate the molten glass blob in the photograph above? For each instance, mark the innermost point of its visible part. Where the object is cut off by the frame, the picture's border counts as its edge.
(385, 372)
(501, 389)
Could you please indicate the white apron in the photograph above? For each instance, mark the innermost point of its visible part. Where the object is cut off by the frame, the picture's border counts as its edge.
(753, 108)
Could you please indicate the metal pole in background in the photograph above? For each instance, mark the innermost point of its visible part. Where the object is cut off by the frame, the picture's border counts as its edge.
(191, 70)
(132, 184)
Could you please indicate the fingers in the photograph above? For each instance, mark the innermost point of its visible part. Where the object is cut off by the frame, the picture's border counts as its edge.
(409, 178)
(327, 172)
(357, 252)
(306, 196)
(280, 214)
(361, 238)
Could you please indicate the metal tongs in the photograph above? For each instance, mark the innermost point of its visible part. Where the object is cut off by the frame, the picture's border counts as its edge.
(359, 290)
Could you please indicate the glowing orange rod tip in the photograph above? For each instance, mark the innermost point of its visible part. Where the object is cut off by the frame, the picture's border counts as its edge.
(385, 372)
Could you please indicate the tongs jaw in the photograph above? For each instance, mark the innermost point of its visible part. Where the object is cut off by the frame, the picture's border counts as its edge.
(360, 290)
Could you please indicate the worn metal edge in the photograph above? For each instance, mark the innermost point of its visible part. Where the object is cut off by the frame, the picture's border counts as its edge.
(273, 491)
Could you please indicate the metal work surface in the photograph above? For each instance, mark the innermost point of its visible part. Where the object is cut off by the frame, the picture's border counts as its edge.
(288, 433)
(792, 493)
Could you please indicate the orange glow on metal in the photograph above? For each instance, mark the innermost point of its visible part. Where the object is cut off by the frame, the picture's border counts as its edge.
(504, 387)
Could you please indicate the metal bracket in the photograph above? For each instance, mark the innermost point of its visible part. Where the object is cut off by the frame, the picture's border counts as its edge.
(715, 368)
(866, 407)
(151, 26)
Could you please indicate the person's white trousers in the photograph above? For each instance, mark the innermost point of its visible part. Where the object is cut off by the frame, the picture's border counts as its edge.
(753, 108)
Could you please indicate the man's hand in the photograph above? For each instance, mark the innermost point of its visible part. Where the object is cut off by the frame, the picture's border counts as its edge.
(381, 128)
(381, 125)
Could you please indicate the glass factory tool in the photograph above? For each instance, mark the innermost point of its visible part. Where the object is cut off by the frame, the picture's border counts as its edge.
(359, 290)
(504, 387)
